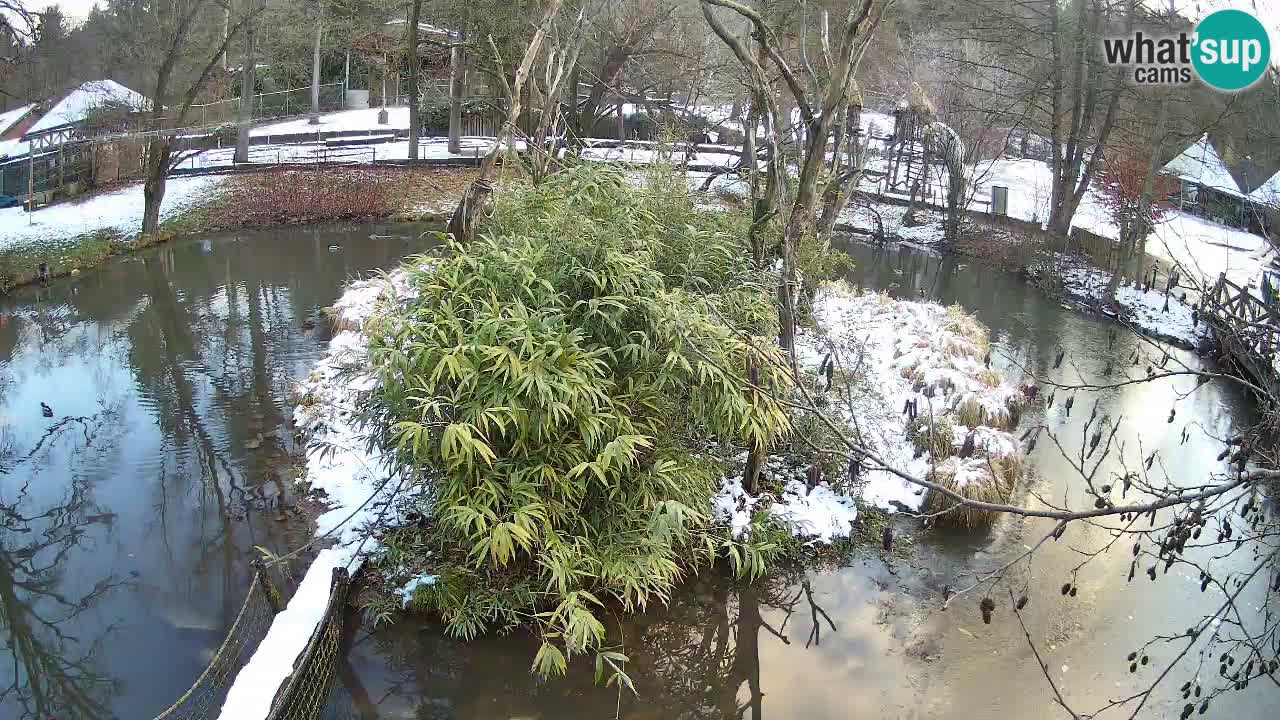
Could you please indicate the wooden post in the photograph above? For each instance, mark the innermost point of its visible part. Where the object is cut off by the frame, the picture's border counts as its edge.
(31, 184)
(346, 80)
(274, 599)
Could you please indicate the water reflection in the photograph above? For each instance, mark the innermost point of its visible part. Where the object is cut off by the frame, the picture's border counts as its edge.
(868, 640)
(131, 514)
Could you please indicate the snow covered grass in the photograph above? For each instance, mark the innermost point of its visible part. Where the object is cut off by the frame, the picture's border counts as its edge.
(985, 479)
(888, 353)
(895, 351)
(118, 212)
(356, 481)
(1149, 311)
(823, 514)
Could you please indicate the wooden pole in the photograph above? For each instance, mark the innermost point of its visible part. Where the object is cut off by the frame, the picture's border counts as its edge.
(315, 67)
(31, 183)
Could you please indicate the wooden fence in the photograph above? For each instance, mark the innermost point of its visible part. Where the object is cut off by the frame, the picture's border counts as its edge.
(1247, 328)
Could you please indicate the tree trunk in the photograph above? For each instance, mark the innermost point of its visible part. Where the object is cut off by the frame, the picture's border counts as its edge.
(226, 31)
(754, 239)
(614, 61)
(457, 86)
(315, 67)
(1148, 187)
(158, 152)
(463, 222)
(248, 86)
(1072, 174)
(415, 124)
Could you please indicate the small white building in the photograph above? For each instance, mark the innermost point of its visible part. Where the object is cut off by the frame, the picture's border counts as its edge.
(1206, 186)
(47, 138)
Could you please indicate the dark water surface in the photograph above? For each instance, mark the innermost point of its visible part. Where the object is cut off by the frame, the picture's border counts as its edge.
(129, 517)
(868, 640)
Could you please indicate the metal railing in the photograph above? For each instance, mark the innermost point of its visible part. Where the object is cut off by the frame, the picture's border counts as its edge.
(280, 103)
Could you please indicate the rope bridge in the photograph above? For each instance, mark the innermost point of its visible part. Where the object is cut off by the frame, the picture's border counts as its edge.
(305, 694)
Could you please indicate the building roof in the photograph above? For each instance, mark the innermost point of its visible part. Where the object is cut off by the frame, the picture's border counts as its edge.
(1201, 164)
(1268, 193)
(9, 118)
(76, 105)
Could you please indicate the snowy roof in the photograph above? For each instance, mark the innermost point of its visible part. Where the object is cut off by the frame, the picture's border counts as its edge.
(76, 105)
(10, 117)
(1201, 164)
(1268, 193)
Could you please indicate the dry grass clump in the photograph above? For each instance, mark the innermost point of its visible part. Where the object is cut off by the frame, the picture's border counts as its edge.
(971, 413)
(984, 479)
(967, 326)
(991, 378)
(935, 436)
(338, 322)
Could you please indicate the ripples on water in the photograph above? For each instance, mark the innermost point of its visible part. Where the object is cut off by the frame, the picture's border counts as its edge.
(129, 517)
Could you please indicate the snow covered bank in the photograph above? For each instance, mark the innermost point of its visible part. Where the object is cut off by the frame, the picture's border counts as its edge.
(822, 514)
(355, 479)
(935, 357)
(890, 353)
(1151, 312)
(119, 211)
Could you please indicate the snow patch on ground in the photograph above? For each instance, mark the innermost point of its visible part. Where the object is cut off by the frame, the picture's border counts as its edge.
(1144, 309)
(822, 514)
(365, 120)
(120, 211)
(407, 590)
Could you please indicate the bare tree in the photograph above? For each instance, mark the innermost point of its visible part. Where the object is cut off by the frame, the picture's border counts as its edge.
(462, 223)
(177, 33)
(818, 110)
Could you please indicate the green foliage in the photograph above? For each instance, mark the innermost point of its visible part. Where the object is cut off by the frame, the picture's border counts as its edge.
(818, 264)
(557, 379)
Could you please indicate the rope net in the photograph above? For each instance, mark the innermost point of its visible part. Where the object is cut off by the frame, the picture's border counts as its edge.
(305, 694)
(206, 694)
